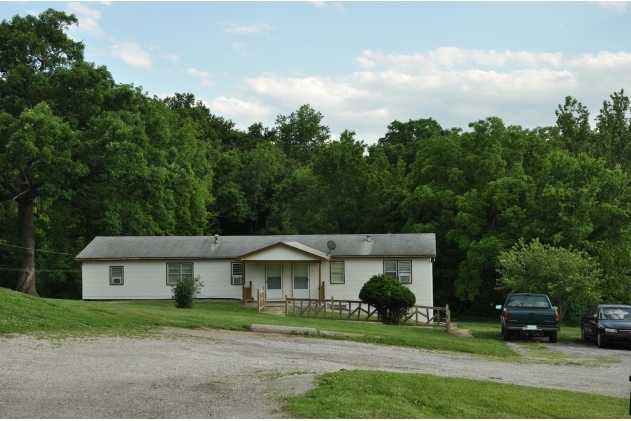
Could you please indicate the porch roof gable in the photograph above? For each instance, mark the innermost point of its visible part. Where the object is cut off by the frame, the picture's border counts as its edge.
(285, 251)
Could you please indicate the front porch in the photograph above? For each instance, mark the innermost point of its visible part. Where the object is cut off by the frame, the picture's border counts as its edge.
(285, 269)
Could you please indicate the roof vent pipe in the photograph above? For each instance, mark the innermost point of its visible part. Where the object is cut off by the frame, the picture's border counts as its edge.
(368, 238)
(216, 238)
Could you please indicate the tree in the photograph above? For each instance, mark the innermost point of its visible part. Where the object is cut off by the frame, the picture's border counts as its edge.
(300, 134)
(569, 277)
(33, 50)
(613, 132)
(35, 146)
(37, 163)
(403, 140)
(573, 123)
(389, 297)
(341, 190)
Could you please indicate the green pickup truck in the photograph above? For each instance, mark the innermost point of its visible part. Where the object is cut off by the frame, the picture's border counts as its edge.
(529, 315)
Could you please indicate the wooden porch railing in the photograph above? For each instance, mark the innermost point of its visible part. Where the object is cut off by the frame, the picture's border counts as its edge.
(432, 315)
(358, 310)
(321, 290)
(246, 293)
(260, 299)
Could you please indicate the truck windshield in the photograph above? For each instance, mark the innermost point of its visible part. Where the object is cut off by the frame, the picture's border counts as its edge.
(528, 301)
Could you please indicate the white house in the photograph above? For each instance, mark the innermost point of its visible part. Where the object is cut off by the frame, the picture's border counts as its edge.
(296, 266)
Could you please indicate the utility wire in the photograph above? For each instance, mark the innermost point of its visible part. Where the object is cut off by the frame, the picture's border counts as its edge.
(37, 270)
(43, 251)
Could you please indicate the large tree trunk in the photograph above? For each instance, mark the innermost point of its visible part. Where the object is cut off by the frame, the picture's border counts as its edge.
(26, 280)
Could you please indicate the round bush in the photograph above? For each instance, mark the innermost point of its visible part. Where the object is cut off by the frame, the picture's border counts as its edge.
(389, 297)
(185, 291)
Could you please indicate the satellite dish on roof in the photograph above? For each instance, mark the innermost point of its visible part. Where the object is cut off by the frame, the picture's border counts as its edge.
(331, 245)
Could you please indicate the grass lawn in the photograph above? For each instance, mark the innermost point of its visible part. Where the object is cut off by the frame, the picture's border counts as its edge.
(345, 394)
(23, 314)
(378, 394)
(491, 329)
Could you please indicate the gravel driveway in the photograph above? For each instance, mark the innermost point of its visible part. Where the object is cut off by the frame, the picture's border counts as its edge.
(226, 374)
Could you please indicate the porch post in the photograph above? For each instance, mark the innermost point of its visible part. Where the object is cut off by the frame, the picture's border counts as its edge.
(320, 292)
(243, 282)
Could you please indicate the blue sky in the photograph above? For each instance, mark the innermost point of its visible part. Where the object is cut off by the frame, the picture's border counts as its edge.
(362, 64)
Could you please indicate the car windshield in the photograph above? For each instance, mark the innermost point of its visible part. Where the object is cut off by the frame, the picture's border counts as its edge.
(528, 301)
(615, 313)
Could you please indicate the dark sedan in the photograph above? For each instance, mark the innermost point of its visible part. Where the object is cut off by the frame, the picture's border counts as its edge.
(607, 324)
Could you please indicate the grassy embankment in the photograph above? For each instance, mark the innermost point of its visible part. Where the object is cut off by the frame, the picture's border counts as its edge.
(22, 314)
(378, 394)
(356, 394)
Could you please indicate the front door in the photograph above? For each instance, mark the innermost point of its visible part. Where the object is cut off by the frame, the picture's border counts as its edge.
(301, 280)
(274, 281)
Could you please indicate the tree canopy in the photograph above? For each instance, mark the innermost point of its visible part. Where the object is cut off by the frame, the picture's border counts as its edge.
(82, 155)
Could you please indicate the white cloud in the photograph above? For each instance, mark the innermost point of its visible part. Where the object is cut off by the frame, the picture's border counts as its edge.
(255, 28)
(318, 90)
(83, 10)
(242, 112)
(173, 58)
(454, 86)
(453, 57)
(239, 47)
(323, 4)
(204, 77)
(88, 18)
(131, 53)
(616, 6)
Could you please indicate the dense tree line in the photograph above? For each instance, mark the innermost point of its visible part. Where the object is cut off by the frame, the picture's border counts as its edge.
(81, 156)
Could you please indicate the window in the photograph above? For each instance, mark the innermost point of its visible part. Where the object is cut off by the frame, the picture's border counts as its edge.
(177, 271)
(237, 273)
(337, 272)
(400, 270)
(116, 275)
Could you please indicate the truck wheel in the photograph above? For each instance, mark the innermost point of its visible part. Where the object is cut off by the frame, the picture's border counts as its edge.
(553, 337)
(506, 334)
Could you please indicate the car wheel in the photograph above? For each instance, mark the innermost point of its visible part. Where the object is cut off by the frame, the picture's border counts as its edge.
(583, 334)
(553, 337)
(599, 341)
(506, 334)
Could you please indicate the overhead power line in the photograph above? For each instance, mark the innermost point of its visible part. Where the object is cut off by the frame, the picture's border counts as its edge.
(37, 270)
(40, 250)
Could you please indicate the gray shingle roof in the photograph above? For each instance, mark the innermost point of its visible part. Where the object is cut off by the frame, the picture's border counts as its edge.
(229, 247)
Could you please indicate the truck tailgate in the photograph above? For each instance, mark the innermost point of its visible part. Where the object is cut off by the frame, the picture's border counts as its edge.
(531, 316)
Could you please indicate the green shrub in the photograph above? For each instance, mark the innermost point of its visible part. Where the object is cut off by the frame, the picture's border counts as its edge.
(389, 297)
(185, 291)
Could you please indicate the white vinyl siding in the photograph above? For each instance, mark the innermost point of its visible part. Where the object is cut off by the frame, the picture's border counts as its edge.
(337, 272)
(399, 270)
(237, 273)
(178, 271)
(145, 279)
(116, 275)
